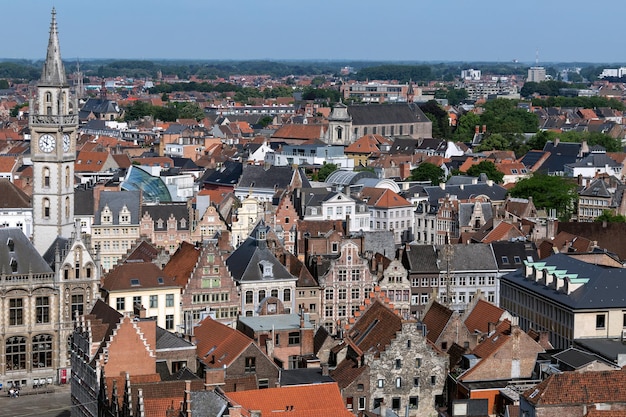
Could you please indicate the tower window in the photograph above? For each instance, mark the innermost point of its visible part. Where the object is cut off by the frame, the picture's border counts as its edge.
(46, 208)
(46, 177)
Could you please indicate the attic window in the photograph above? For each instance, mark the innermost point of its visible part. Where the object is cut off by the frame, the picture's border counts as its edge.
(505, 259)
(517, 260)
(160, 280)
(134, 282)
(13, 265)
(11, 245)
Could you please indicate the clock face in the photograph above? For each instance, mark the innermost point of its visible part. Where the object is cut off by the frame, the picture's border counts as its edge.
(47, 143)
(66, 142)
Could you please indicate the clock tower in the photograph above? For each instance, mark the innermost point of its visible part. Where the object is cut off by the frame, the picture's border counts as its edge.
(53, 124)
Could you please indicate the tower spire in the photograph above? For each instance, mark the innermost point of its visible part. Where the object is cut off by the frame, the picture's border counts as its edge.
(53, 73)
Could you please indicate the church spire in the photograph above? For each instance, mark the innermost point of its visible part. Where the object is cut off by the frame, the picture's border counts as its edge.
(53, 73)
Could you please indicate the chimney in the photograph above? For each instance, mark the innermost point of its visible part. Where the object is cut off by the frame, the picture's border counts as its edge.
(484, 129)
(214, 377)
(325, 369)
(491, 327)
(477, 129)
(234, 411)
(383, 409)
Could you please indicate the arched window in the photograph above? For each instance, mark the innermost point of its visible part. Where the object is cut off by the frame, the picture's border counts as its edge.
(261, 295)
(67, 177)
(339, 133)
(46, 177)
(46, 208)
(67, 207)
(42, 351)
(48, 97)
(249, 297)
(15, 350)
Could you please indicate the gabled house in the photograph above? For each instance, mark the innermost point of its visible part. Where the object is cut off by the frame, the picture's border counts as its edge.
(389, 211)
(506, 354)
(223, 349)
(265, 285)
(345, 284)
(142, 288)
(321, 204)
(207, 286)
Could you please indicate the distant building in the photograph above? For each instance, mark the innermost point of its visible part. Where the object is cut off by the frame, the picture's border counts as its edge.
(471, 74)
(536, 74)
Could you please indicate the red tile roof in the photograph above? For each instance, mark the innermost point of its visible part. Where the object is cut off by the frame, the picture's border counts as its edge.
(182, 263)
(297, 131)
(217, 344)
(383, 198)
(147, 274)
(580, 388)
(482, 314)
(436, 319)
(87, 161)
(316, 400)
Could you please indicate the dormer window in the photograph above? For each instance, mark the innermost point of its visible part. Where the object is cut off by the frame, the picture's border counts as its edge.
(124, 215)
(160, 224)
(261, 235)
(183, 223)
(106, 217)
(13, 265)
(134, 282)
(11, 245)
(266, 269)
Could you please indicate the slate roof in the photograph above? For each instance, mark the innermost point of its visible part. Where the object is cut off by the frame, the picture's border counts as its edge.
(575, 358)
(163, 212)
(421, 258)
(227, 175)
(217, 344)
(98, 106)
(24, 253)
(471, 257)
(207, 403)
(12, 196)
(597, 188)
(494, 192)
(303, 376)
(467, 209)
(605, 288)
(244, 262)
(83, 201)
(512, 251)
(595, 160)
(579, 388)
(383, 114)
(116, 200)
(273, 177)
(136, 275)
(560, 154)
(379, 241)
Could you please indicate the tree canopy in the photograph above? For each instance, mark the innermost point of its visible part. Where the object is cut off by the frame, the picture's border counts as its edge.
(428, 172)
(488, 168)
(548, 192)
(325, 171)
(610, 217)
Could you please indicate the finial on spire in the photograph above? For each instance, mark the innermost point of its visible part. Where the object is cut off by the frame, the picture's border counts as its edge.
(53, 73)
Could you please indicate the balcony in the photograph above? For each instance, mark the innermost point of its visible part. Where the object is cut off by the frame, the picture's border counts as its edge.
(55, 120)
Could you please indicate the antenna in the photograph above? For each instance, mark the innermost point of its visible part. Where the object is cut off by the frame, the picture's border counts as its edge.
(537, 57)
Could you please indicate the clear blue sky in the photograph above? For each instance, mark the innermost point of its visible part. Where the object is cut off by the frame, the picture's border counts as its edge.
(415, 30)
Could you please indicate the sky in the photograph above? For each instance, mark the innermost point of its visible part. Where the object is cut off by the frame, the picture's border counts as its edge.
(369, 30)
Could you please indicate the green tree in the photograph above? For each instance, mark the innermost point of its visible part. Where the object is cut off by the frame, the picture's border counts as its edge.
(439, 117)
(455, 96)
(488, 168)
(494, 141)
(610, 217)
(190, 111)
(266, 120)
(466, 127)
(428, 172)
(4, 84)
(325, 171)
(548, 192)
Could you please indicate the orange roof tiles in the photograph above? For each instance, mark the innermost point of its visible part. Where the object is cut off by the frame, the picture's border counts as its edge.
(482, 314)
(147, 275)
(293, 401)
(383, 198)
(296, 131)
(182, 263)
(217, 344)
(579, 388)
(87, 161)
(436, 319)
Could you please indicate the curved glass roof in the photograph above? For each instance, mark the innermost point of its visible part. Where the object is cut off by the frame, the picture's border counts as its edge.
(344, 177)
(153, 189)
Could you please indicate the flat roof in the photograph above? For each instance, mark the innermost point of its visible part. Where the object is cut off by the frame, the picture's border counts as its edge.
(275, 322)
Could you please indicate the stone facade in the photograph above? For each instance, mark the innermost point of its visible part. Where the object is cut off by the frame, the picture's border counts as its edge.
(409, 372)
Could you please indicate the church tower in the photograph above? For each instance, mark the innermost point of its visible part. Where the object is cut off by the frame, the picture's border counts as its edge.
(53, 124)
(340, 126)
